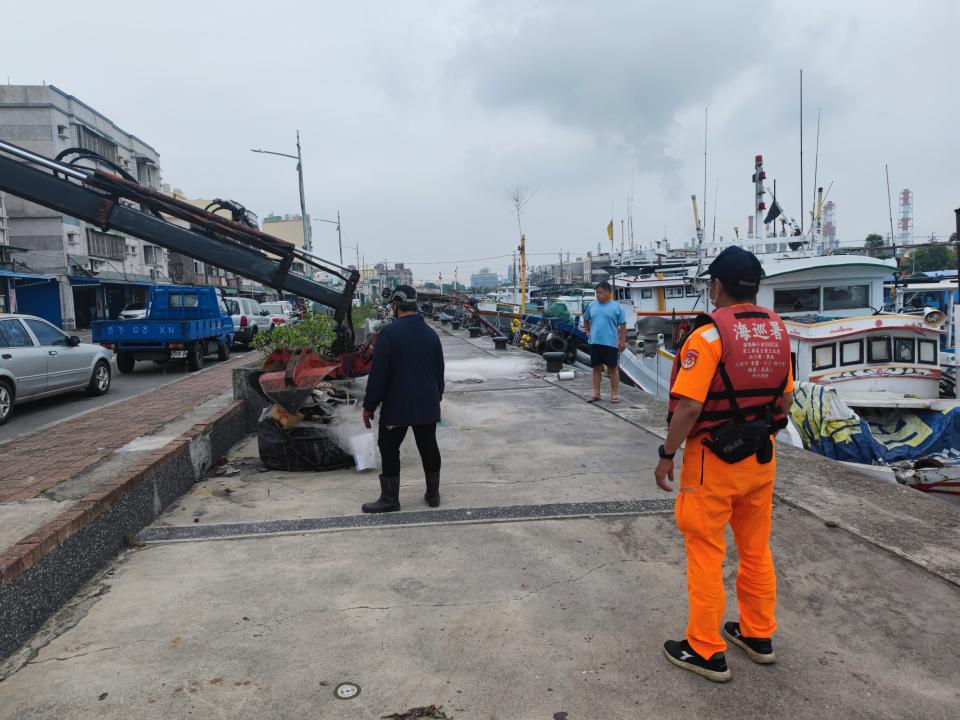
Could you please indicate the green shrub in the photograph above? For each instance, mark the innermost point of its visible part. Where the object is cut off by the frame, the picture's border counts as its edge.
(314, 332)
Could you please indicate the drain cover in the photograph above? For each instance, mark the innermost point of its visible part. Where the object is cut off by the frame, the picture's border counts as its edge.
(346, 691)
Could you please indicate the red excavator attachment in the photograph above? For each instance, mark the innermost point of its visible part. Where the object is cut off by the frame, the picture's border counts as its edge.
(290, 376)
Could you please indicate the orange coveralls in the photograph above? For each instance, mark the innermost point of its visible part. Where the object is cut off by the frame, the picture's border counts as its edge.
(712, 494)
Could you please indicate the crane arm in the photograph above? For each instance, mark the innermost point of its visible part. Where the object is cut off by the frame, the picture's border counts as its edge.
(107, 201)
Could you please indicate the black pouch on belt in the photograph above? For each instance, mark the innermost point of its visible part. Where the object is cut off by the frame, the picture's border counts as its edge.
(737, 440)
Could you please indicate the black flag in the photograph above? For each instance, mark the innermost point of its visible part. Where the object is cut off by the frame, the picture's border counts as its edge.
(774, 212)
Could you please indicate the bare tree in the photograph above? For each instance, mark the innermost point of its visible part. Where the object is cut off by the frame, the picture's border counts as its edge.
(518, 197)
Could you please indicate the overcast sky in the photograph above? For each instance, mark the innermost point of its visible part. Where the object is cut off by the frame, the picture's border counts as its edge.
(417, 117)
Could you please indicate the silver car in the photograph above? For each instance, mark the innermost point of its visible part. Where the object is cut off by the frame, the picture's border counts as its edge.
(249, 318)
(38, 360)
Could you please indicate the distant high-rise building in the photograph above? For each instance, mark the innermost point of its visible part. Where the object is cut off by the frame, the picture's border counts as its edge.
(905, 221)
(484, 280)
(830, 224)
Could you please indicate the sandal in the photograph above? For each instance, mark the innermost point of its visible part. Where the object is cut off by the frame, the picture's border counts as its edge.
(593, 400)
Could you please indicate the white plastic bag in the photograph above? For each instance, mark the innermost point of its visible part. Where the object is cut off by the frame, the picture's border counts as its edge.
(364, 451)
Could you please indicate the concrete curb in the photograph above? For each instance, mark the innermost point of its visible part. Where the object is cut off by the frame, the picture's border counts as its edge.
(43, 570)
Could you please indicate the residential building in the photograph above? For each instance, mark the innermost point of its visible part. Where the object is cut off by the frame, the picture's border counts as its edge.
(484, 280)
(68, 271)
(289, 228)
(183, 269)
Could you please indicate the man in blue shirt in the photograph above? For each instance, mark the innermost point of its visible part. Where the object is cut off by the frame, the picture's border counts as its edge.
(606, 326)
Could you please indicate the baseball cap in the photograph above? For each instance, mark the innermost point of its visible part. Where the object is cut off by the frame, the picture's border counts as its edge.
(736, 268)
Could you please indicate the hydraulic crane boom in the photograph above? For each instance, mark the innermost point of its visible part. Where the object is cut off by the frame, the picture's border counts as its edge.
(108, 200)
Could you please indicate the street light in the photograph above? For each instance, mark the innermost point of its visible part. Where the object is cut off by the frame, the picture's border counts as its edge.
(339, 236)
(303, 205)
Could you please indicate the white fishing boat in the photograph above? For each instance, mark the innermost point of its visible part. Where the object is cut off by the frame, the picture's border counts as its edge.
(832, 308)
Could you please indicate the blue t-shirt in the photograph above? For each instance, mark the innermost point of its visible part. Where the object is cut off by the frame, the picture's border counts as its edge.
(605, 320)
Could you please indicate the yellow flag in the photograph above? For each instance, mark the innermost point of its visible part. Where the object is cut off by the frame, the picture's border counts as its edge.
(610, 231)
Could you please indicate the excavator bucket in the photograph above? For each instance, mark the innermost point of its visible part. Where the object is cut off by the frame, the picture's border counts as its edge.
(289, 377)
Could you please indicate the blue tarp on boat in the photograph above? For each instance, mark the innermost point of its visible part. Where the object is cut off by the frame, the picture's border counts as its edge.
(829, 427)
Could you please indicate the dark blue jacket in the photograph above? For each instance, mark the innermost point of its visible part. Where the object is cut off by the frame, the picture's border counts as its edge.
(407, 375)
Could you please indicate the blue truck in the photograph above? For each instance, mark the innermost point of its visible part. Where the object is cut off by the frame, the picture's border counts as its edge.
(182, 323)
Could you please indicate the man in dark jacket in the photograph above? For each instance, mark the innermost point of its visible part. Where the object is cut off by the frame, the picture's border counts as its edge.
(407, 381)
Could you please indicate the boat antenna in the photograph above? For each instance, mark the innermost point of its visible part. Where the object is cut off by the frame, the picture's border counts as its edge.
(716, 195)
(893, 239)
(801, 151)
(816, 167)
(705, 111)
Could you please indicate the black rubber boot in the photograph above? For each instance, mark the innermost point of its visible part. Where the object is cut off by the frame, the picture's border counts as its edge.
(389, 500)
(432, 496)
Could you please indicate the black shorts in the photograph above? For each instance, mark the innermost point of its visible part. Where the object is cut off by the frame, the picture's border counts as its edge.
(604, 355)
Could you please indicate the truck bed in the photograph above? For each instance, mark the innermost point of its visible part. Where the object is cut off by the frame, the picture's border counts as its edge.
(156, 333)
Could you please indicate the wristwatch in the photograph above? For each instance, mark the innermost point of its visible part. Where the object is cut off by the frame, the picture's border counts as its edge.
(662, 452)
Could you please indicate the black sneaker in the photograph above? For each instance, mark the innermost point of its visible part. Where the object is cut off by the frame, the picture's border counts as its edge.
(760, 650)
(683, 656)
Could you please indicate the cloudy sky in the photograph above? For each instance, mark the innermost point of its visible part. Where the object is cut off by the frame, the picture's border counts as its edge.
(417, 117)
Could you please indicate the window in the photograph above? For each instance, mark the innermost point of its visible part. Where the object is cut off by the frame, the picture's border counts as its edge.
(106, 245)
(13, 334)
(928, 352)
(646, 293)
(846, 297)
(148, 173)
(185, 300)
(878, 349)
(151, 255)
(233, 307)
(197, 267)
(623, 294)
(673, 292)
(851, 352)
(796, 300)
(824, 356)
(46, 333)
(691, 291)
(89, 140)
(903, 350)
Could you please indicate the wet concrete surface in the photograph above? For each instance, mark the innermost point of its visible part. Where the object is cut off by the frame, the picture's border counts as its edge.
(492, 619)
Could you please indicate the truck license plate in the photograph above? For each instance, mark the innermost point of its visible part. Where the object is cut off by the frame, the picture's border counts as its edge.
(176, 354)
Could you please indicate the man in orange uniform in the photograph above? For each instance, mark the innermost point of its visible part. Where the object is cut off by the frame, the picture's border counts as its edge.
(730, 392)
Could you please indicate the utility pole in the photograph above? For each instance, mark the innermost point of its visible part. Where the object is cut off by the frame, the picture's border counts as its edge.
(307, 236)
(339, 238)
(523, 274)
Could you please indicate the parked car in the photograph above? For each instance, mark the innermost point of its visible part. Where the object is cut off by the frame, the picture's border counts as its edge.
(134, 311)
(248, 317)
(281, 312)
(38, 360)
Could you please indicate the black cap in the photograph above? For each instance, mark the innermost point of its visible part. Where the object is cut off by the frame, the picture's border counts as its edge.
(401, 293)
(737, 269)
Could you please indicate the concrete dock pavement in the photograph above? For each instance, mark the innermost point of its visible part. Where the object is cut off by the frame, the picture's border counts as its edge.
(543, 587)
